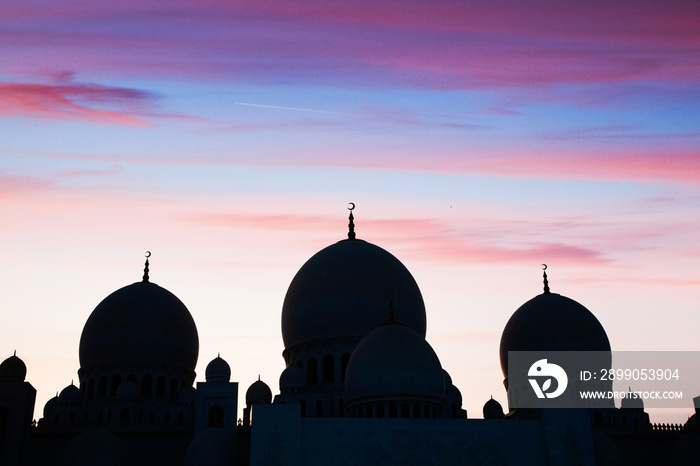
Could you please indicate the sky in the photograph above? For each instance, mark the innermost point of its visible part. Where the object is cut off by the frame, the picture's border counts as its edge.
(478, 139)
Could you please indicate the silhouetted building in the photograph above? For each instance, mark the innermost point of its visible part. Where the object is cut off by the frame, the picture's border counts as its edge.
(361, 386)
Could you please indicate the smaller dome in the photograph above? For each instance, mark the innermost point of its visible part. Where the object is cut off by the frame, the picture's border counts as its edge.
(394, 363)
(493, 409)
(448, 378)
(453, 394)
(13, 369)
(70, 396)
(258, 393)
(552, 322)
(292, 377)
(635, 402)
(128, 389)
(212, 447)
(51, 406)
(95, 446)
(218, 370)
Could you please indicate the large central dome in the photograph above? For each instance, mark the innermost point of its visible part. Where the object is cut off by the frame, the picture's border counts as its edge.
(140, 324)
(344, 290)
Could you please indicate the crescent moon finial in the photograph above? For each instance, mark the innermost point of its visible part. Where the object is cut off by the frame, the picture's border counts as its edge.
(544, 276)
(145, 268)
(351, 224)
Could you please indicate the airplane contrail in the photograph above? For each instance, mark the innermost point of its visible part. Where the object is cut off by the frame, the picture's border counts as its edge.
(296, 109)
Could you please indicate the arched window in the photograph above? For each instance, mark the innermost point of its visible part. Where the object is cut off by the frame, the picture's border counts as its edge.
(380, 411)
(216, 416)
(312, 372)
(416, 411)
(146, 385)
(392, 410)
(124, 416)
(370, 411)
(328, 368)
(116, 382)
(405, 411)
(319, 408)
(102, 387)
(344, 365)
(426, 412)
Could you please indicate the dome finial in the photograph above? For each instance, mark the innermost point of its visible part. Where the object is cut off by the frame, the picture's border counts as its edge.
(351, 225)
(145, 268)
(546, 282)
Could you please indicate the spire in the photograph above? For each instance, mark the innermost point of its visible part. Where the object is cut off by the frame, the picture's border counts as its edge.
(392, 318)
(351, 225)
(145, 268)
(546, 282)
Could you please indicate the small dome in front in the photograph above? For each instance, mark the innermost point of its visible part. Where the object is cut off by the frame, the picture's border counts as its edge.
(394, 363)
(293, 377)
(492, 409)
(633, 403)
(140, 324)
(218, 370)
(13, 369)
(95, 446)
(51, 406)
(70, 396)
(258, 393)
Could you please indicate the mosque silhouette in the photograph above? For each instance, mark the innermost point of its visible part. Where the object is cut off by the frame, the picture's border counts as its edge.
(361, 386)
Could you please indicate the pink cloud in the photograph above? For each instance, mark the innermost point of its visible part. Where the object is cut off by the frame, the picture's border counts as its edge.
(70, 102)
(267, 222)
(372, 43)
(11, 185)
(682, 166)
(423, 239)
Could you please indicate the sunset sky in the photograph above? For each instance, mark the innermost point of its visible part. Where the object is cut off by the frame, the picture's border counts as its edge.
(478, 139)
